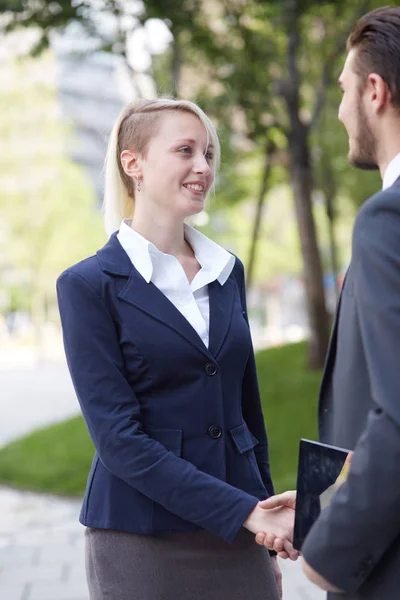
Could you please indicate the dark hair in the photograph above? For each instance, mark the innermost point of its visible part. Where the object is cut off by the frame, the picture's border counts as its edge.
(376, 40)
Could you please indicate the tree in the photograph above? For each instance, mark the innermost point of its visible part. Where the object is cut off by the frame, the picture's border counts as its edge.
(49, 218)
(266, 58)
(263, 70)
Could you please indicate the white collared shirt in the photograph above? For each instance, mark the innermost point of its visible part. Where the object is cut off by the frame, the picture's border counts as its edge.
(392, 172)
(166, 272)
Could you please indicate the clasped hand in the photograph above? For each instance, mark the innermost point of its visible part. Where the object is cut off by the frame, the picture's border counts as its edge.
(272, 521)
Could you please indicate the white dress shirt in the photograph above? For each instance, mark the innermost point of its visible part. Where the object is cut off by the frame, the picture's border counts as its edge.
(392, 172)
(166, 272)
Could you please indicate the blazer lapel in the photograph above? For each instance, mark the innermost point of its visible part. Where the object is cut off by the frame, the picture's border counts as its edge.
(148, 298)
(221, 304)
(397, 182)
(331, 352)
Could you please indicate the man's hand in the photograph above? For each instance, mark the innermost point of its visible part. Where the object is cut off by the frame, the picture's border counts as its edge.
(278, 575)
(286, 499)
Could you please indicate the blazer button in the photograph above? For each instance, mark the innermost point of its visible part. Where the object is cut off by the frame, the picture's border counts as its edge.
(210, 369)
(215, 432)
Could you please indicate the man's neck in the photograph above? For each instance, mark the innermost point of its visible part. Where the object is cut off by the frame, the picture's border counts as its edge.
(392, 172)
(389, 145)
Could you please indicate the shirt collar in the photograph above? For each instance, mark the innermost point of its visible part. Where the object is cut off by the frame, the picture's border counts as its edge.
(137, 248)
(392, 172)
(216, 262)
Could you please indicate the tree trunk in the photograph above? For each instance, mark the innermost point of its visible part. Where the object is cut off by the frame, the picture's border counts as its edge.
(331, 215)
(176, 61)
(259, 213)
(301, 180)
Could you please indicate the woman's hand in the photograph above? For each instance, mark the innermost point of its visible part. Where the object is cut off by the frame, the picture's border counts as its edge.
(268, 539)
(271, 524)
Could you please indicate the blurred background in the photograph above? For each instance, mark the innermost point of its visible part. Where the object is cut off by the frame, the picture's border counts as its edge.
(266, 72)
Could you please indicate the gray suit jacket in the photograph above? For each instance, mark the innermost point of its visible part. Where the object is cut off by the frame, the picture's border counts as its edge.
(355, 543)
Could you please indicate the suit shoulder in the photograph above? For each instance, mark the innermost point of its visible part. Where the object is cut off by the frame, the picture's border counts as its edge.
(383, 201)
(238, 268)
(87, 269)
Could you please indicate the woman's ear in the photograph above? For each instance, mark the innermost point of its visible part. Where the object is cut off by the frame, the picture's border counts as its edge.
(130, 162)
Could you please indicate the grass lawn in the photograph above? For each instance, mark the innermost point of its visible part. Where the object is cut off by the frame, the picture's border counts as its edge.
(57, 459)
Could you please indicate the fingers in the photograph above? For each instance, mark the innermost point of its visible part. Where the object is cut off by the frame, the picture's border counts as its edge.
(272, 543)
(260, 538)
(278, 545)
(286, 499)
(279, 548)
(291, 552)
(267, 540)
(283, 547)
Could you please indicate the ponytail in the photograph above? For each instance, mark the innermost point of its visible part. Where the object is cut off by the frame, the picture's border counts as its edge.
(117, 203)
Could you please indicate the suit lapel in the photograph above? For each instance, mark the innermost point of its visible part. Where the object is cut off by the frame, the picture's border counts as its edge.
(397, 182)
(332, 342)
(221, 304)
(148, 298)
(330, 355)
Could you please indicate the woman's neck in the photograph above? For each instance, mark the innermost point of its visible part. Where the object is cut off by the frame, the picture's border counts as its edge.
(167, 236)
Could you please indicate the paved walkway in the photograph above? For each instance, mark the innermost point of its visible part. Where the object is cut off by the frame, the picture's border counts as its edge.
(41, 541)
(34, 396)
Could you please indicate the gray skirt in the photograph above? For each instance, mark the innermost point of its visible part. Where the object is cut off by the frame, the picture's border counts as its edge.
(177, 566)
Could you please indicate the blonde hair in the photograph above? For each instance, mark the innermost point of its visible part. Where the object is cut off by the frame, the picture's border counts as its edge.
(133, 130)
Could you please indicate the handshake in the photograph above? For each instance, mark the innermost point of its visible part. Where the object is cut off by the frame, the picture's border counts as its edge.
(272, 521)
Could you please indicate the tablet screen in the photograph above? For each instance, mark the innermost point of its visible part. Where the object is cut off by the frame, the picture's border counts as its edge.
(321, 470)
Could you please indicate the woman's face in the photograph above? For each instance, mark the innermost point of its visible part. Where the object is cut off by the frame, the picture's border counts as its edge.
(178, 169)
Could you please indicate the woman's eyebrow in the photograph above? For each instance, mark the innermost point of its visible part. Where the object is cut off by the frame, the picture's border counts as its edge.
(190, 141)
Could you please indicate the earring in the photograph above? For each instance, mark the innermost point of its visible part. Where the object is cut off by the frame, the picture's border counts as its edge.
(138, 184)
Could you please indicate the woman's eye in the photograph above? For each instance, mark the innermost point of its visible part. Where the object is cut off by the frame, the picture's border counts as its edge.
(209, 155)
(185, 150)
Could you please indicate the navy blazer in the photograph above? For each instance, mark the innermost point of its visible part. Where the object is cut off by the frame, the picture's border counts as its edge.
(178, 428)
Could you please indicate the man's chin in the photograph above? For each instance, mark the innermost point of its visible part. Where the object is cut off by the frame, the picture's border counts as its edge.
(366, 164)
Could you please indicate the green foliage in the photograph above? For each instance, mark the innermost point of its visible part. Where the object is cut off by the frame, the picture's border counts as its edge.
(27, 463)
(278, 242)
(48, 213)
(263, 70)
(289, 394)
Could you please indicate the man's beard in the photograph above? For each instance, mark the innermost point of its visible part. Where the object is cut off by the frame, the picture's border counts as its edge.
(364, 155)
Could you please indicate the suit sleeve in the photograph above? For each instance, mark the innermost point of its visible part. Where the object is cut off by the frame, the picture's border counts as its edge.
(352, 534)
(251, 403)
(112, 414)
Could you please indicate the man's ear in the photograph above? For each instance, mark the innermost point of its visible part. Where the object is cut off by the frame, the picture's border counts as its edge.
(130, 162)
(378, 92)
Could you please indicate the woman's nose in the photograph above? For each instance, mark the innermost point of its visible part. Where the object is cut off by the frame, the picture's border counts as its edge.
(201, 164)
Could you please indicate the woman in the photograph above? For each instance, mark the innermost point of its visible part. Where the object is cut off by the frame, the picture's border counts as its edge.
(159, 350)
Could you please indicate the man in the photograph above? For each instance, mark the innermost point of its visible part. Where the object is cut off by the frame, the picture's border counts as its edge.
(354, 546)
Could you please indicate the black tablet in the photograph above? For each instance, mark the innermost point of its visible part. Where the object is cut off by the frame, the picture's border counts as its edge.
(321, 470)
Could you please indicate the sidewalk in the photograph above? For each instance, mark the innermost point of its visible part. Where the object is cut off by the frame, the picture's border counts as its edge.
(42, 552)
(41, 541)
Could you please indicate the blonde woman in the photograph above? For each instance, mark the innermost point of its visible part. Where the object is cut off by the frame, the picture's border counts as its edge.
(159, 349)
